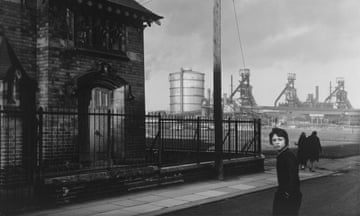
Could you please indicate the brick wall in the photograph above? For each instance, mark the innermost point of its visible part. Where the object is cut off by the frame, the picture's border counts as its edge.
(18, 23)
(42, 54)
(57, 67)
(41, 46)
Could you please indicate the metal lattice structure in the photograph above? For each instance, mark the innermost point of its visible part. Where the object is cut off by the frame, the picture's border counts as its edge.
(244, 90)
(341, 101)
(291, 98)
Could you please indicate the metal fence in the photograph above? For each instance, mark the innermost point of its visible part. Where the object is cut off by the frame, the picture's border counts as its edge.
(105, 138)
(15, 177)
(70, 141)
(67, 142)
(174, 140)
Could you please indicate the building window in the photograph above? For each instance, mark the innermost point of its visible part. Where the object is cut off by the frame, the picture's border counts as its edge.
(100, 34)
(10, 91)
(70, 27)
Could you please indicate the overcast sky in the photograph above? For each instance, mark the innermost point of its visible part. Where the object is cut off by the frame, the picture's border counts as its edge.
(319, 40)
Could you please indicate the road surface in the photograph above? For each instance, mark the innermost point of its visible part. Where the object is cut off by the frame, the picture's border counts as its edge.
(338, 194)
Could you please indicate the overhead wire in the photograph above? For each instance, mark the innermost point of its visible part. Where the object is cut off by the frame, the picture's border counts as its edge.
(237, 27)
(238, 31)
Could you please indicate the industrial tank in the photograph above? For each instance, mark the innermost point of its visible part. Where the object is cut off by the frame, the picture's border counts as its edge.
(186, 90)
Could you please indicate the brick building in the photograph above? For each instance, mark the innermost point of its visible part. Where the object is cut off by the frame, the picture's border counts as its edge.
(83, 56)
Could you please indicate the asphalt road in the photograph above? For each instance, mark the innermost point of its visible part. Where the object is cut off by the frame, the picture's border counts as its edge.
(338, 194)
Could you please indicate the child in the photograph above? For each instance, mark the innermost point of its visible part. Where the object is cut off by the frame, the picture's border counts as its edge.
(287, 198)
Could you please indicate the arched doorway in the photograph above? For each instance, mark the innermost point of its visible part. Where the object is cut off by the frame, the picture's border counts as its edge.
(101, 104)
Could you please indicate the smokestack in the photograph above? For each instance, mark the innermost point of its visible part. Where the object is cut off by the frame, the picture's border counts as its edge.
(231, 85)
(209, 94)
(225, 99)
(317, 94)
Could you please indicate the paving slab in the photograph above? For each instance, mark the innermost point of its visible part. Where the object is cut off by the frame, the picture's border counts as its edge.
(101, 208)
(119, 212)
(242, 186)
(128, 202)
(150, 198)
(211, 193)
(77, 212)
(227, 189)
(169, 202)
(143, 208)
(191, 197)
(176, 193)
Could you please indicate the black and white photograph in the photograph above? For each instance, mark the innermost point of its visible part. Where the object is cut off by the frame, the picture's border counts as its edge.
(179, 107)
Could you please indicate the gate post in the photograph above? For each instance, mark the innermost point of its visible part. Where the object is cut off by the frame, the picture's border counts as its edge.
(236, 137)
(160, 141)
(255, 135)
(38, 157)
(259, 135)
(40, 143)
(109, 140)
(198, 131)
(229, 134)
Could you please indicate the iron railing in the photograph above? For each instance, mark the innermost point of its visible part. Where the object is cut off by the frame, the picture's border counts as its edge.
(174, 140)
(70, 141)
(15, 177)
(65, 142)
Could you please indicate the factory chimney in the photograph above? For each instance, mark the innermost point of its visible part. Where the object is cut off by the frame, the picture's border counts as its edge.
(225, 99)
(231, 90)
(209, 95)
(317, 94)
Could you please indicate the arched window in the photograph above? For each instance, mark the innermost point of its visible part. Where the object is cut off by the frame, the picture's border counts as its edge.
(99, 33)
(10, 90)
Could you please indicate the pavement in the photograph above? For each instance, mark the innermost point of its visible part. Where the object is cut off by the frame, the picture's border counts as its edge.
(162, 200)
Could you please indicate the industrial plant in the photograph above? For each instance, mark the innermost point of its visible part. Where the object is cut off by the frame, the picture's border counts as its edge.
(187, 97)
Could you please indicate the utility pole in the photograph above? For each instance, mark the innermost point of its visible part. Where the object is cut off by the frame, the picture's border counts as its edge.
(217, 91)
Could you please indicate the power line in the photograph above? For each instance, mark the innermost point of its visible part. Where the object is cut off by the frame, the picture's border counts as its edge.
(238, 31)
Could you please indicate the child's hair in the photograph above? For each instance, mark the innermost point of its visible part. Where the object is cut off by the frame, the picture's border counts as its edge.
(280, 133)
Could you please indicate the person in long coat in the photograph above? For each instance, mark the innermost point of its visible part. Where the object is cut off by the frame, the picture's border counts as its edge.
(314, 149)
(287, 199)
(301, 153)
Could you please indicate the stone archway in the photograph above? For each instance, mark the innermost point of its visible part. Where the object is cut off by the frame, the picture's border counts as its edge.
(101, 96)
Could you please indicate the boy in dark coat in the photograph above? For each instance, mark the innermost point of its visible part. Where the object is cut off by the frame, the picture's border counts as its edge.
(288, 197)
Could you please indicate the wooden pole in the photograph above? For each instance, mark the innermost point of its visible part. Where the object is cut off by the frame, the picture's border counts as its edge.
(217, 90)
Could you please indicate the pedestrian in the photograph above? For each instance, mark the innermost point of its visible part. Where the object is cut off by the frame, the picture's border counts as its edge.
(301, 152)
(287, 199)
(314, 149)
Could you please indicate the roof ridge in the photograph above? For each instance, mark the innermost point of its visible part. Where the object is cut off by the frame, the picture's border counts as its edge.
(136, 6)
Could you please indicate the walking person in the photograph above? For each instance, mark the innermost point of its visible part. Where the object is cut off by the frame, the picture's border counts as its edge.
(314, 149)
(301, 152)
(287, 199)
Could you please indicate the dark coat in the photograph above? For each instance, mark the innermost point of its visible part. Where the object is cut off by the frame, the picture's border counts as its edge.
(313, 147)
(287, 198)
(301, 152)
